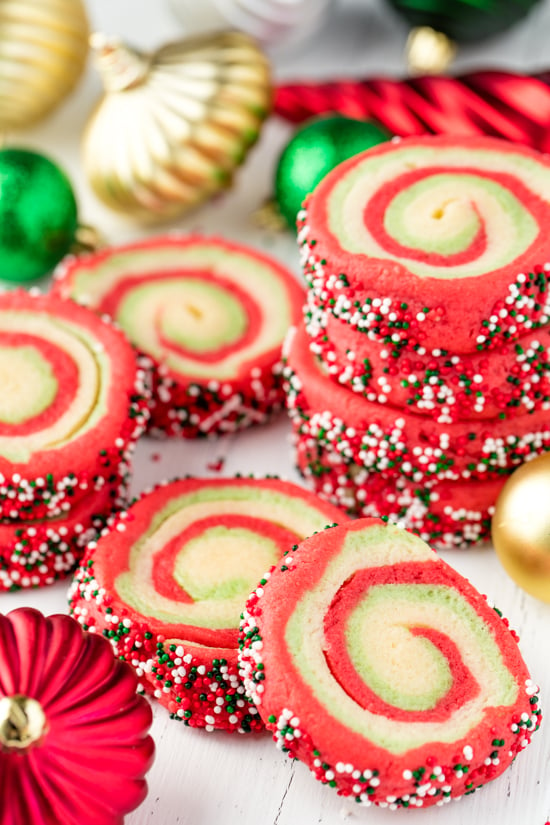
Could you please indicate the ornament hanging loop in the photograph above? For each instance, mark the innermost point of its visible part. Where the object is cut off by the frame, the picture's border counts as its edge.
(87, 239)
(120, 66)
(267, 216)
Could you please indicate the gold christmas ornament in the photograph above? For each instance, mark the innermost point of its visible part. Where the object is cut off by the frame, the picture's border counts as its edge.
(521, 527)
(43, 49)
(173, 126)
(22, 722)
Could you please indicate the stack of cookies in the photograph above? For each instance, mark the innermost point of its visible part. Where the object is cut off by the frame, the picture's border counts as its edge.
(420, 379)
(74, 403)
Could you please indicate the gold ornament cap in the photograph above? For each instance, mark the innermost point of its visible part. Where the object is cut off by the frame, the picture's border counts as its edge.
(120, 66)
(22, 722)
(521, 527)
(429, 51)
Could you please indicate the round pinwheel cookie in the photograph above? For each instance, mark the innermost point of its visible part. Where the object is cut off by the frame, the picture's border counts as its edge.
(71, 725)
(447, 514)
(210, 314)
(511, 380)
(433, 240)
(73, 404)
(38, 552)
(169, 581)
(394, 442)
(384, 670)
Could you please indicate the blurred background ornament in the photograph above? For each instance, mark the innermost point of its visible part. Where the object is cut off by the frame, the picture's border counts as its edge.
(316, 148)
(464, 20)
(173, 125)
(271, 22)
(38, 216)
(521, 527)
(429, 51)
(505, 104)
(43, 49)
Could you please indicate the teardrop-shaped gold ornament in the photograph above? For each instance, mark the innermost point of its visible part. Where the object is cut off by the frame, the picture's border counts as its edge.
(173, 126)
(43, 49)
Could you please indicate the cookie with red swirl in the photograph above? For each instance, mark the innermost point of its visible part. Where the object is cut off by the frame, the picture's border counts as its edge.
(168, 582)
(385, 671)
(433, 241)
(211, 316)
(74, 402)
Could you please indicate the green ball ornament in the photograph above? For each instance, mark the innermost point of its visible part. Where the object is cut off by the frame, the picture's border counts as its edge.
(464, 20)
(316, 148)
(38, 215)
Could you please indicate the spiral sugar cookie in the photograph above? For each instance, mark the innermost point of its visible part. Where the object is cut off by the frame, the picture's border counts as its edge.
(511, 380)
(433, 240)
(36, 553)
(447, 514)
(169, 581)
(73, 403)
(211, 315)
(395, 442)
(385, 671)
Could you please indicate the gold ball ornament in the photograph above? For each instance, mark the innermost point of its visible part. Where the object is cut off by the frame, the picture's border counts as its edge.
(173, 126)
(43, 50)
(521, 527)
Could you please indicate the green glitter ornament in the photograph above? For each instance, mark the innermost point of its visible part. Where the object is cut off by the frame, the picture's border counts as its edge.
(38, 215)
(314, 150)
(464, 20)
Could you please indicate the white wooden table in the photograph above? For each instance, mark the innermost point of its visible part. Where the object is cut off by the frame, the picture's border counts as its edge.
(209, 779)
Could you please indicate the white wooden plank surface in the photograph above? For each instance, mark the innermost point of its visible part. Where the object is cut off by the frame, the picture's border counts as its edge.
(206, 779)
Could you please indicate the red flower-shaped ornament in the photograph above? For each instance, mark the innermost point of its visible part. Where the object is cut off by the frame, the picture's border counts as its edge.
(73, 732)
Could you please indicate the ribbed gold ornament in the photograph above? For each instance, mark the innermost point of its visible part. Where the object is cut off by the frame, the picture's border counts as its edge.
(173, 125)
(43, 49)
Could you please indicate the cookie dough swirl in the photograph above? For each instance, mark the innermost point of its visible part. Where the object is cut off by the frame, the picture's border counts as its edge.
(384, 670)
(211, 315)
(431, 240)
(73, 403)
(169, 583)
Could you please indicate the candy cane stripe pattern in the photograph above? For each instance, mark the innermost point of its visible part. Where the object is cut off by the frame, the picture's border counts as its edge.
(501, 103)
(169, 581)
(385, 671)
(433, 240)
(210, 314)
(74, 401)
